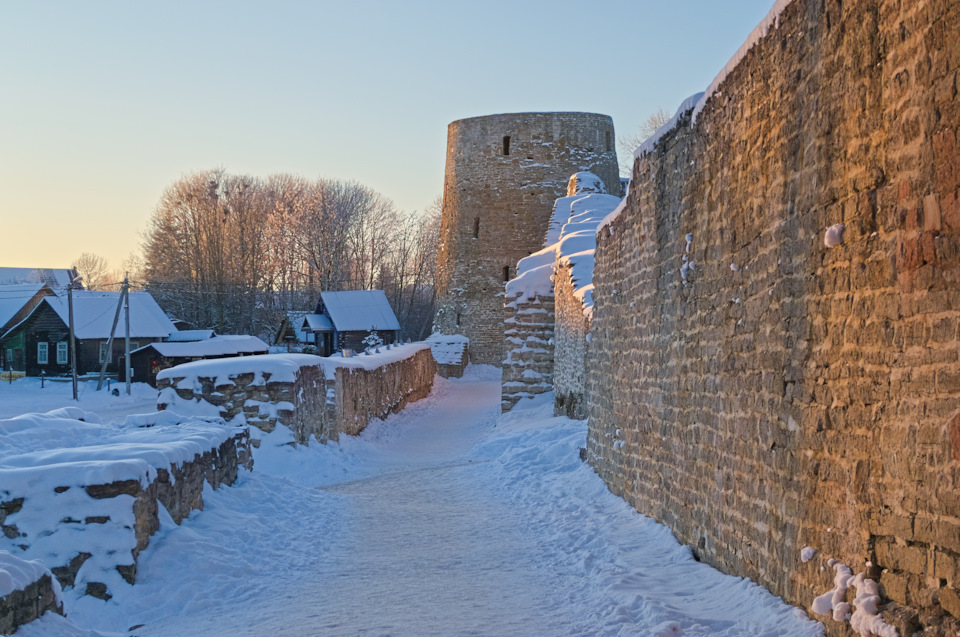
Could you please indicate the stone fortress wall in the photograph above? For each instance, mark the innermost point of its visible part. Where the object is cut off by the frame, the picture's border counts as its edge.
(503, 174)
(782, 394)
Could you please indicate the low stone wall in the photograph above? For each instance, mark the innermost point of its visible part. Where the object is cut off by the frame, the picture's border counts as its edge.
(27, 602)
(451, 351)
(364, 394)
(311, 395)
(528, 343)
(178, 487)
(570, 354)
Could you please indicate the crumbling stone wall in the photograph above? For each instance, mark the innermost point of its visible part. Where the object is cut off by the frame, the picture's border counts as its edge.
(23, 606)
(365, 394)
(315, 404)
(503, 174)
(528, 343)
(570, 355)
(788, 394)
(179, 488)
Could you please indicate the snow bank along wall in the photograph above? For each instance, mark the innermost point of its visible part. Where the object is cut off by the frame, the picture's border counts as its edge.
(312, 396)
(503, 174)
(87, 513)
(789, 394)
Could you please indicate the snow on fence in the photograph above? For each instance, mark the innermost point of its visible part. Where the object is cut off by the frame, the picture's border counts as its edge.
(311, 395)
(83, 498)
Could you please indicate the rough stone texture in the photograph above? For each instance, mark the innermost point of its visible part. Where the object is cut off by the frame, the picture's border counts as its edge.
(23, 606)
(180, 496)
(496, 209)
(305, 406)
(362, 395)
(570, 353)
(314, 405)
(528, 343)
(811, 396)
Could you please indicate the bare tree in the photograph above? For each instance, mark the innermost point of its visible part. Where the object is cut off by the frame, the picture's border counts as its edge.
(94, 270)
(628, 143)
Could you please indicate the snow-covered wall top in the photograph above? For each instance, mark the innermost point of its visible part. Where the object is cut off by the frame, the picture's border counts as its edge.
(226, 345)
(698, 101)
(70, 447)
(571, 239)
(280, 367)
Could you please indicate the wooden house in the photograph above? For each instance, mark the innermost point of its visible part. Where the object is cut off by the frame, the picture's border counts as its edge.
(41, 340)
(344, 319)
(155, 357)
(16, 303)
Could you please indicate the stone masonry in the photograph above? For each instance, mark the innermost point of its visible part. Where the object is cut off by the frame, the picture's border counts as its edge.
(782, 393)
(325, 399)
(528, 336)
(22, 606)
(503, 174)
(570, 350)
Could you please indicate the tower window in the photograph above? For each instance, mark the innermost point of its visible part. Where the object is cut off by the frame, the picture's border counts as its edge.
(609, 141)
(458, 319)
(506, 273)
(506, 144)
(476, 227)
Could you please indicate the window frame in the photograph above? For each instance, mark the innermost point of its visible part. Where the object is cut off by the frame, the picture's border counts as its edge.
(43, 353)
(63, 353)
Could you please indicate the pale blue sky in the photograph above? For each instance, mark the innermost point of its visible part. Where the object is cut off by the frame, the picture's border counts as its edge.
(103, 104)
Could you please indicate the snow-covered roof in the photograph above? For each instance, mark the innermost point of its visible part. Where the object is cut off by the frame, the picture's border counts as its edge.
(226, 345)
(185, 336)
(14, 297)
(57, 278)
(359, 310)
(316, 323)
(93, 314)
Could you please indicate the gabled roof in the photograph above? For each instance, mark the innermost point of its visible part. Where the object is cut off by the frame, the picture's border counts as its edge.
(359, 310)
(57, 278)
(226, 345)
(13, 299)
(317, 323)
(93, 314)
(184, 336)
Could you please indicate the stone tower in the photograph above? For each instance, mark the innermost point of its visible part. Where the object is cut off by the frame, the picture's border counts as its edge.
(502, 176)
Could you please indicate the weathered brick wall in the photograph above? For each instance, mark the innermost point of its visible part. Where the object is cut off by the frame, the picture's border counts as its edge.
(496, 208)
(528, 343)
(569, 366)
(805, 395)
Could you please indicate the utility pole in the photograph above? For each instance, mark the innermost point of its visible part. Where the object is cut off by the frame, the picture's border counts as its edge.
(113, 330)
(73, 339)
(126, 338)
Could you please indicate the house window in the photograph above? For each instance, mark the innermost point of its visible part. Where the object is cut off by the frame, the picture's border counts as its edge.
(103, 352)
(42, 354)
(134, 345)
(506, 273)
(476, 227)
(506, 145)
(62, 353)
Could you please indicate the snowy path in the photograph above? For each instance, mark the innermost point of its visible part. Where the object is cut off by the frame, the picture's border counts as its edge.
(443, 520)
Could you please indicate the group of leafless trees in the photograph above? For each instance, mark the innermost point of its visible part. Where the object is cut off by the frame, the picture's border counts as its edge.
(235, 252)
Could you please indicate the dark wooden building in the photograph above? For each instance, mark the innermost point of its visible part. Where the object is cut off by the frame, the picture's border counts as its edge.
(41, 341)
(150, 359)
(344, 319)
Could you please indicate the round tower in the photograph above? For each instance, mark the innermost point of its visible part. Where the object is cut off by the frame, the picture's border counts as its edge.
(502, 176)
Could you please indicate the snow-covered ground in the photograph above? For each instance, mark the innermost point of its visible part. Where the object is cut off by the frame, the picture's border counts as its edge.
(445, 519)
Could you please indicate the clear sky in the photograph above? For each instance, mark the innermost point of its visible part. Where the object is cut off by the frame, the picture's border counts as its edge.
(104, 103)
